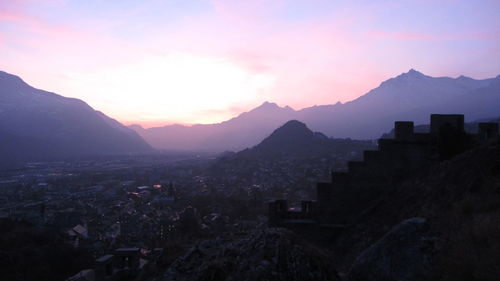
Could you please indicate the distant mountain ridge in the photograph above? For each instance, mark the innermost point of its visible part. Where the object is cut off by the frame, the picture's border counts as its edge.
(39, 125)
(245, 130)
(409, 96)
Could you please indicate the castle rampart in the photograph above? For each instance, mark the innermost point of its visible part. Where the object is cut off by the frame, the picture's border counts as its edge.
(395, 160)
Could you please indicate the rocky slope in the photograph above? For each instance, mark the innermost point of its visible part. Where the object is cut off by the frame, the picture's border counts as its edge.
(271, 254)
(460, 198)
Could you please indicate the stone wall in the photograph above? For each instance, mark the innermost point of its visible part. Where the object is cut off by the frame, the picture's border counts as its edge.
(395, 160)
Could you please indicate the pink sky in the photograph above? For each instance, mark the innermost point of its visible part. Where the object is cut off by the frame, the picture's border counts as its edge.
(160, 62)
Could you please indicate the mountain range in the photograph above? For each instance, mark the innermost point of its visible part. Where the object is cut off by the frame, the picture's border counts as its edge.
(36, 124)
(409, 96)
(245, 130)
(39, 125)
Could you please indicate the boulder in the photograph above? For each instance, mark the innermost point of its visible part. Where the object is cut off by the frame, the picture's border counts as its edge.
(404, 254)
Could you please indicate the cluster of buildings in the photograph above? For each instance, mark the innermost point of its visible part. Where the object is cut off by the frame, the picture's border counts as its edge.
(100, 209)
(98, 217)
(284, 176)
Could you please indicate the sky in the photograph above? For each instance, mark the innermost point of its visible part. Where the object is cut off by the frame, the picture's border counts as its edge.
(158, 62)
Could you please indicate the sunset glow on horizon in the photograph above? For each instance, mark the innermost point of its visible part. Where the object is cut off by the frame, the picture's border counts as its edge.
(205, 61)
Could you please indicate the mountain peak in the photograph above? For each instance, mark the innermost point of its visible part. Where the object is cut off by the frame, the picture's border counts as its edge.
(411, 76)
(6, 74)
(135, 127)
(413, 73)
(292, 130)
(11, 80)
(294, 125)
(268, 105)
(271, 107)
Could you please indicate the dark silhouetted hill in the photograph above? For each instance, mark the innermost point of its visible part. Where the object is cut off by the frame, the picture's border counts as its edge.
(290, 160)
(295, 140)
(291, 136)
